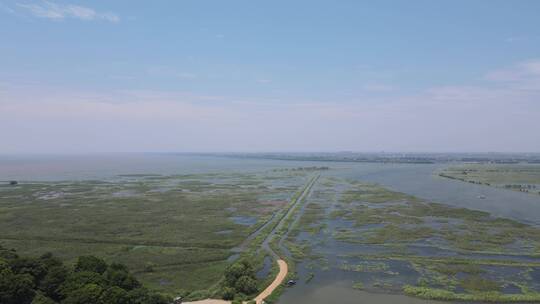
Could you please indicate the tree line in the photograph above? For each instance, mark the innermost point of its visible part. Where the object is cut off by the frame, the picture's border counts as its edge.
(46, 280)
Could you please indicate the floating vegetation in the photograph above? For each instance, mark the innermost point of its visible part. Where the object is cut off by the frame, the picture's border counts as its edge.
(421, 248)
(486, 296)
(517, 177)
(175, 231)
(365, 267)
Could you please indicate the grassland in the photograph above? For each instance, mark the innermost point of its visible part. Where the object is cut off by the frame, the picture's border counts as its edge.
(175, 232)
(517, 177)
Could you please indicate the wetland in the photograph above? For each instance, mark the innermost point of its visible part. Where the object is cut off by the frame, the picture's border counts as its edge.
(364, 231)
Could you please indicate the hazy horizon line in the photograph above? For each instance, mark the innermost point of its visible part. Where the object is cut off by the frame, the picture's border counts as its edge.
(264, 152)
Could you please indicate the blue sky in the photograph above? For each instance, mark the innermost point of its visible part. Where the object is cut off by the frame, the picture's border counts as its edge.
(100, 76)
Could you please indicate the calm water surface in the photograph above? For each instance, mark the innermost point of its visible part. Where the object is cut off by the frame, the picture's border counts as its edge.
(340, 292)
(422, 181)
(106, 166)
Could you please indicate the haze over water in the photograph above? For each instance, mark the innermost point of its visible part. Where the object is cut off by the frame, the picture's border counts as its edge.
(416, 179)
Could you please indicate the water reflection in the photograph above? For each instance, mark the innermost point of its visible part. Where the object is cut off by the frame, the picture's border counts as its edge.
(421, 180)
(341, 292)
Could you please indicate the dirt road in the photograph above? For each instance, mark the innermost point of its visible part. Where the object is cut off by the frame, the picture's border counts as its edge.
(283, 271)
(282, 274)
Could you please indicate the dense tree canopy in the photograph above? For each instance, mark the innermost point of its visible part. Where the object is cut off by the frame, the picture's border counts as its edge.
(45, 280)
(239, 280)
(91, 263)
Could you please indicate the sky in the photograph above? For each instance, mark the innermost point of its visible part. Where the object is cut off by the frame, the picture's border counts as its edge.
(268, 76)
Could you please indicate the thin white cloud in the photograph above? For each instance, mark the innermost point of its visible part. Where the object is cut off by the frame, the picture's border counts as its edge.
(56, 11)
(522, 76)
(7, 9)
(532, 67)
(377, 87)
(515, 39)
(497, 116)
(519, 72)
(168, 72)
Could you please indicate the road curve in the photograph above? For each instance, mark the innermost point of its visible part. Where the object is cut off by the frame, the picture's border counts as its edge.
(282, 274)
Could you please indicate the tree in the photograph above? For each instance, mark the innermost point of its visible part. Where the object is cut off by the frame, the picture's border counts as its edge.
(232, 273)
(143, 296)
(50, 285)
(15, 288)
(78, 280)
(246, 284)
(49, 261)
(91, 263)
(154, 298)
(42, 299)
(237, 270)
(7, 254)
(241, 277)
(118, 275)
(88, 294)
(228, 293)
(114, 295)
(45, 280)
(32, 267)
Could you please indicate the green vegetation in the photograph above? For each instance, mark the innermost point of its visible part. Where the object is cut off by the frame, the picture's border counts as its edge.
(367, 266)
(393, 233)
(240, 281)
(174, 232)
(46, 280)
(405, 221)
(517, 177)
(482, 296)
(476, 283)
(437, 261)
(311, 220)
(372, 194)
(452, 253)
(310, 277)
